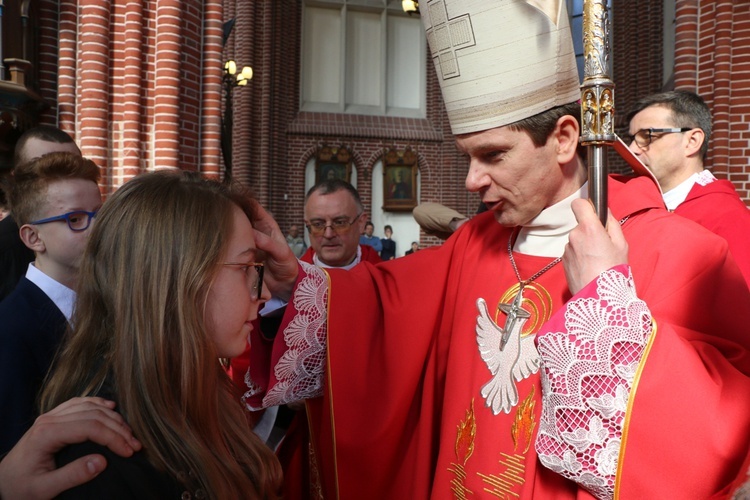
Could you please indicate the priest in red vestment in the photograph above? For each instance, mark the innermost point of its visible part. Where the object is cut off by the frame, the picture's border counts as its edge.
(670, 134)
(335, 218)
(485, 368)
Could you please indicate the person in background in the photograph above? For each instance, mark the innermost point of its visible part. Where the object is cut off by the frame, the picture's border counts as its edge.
(369, 239)
(14, 255)
(414, 248)
(296, 241)
(388, 251)
(151, 340)
(669, 133)
(334, 219)
(55, 199)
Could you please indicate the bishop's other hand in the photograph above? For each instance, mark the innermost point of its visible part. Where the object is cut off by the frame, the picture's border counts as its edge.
(591, 248)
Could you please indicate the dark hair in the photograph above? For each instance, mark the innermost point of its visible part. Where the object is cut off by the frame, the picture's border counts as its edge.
(387, 227)
(43, 132)
(369, 223)
(540, 126)
(330, 186)
(688, 110)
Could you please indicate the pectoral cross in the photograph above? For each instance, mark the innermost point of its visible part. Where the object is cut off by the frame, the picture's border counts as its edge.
(514, 312)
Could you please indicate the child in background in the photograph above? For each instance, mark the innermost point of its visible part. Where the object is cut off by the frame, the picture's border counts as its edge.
(54, 199)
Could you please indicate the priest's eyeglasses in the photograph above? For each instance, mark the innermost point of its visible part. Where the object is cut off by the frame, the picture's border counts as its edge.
(253, 272)
(645, 136)
(340, 225)
(78, 221)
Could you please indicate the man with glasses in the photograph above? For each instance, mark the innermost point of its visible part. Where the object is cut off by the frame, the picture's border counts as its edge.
(669, 132)
(54, 199)
(335, 219)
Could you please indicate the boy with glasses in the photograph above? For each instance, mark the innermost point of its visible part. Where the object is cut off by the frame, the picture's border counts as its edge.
(54, 200)
(669, 132)
(14, 256)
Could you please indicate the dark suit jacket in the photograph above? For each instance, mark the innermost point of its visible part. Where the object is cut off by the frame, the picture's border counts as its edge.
(14, 256)
(31, 328)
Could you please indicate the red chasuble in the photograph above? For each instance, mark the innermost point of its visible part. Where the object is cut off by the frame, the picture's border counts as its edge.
(419, 401)
(717, 207)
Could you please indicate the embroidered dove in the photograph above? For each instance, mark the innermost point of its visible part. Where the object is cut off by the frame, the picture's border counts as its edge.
(518, 358)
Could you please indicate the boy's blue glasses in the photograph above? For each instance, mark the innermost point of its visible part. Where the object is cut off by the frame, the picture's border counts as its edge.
(78, 221)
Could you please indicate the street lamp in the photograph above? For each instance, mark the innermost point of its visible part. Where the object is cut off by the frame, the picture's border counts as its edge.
(410, 6)
(231, 80)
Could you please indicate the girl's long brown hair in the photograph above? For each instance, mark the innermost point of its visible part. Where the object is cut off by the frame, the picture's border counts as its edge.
(153, 253)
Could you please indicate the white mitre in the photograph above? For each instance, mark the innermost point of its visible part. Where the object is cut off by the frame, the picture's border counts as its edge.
(500, 61)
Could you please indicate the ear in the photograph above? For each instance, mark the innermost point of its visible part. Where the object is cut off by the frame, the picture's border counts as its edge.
(30, 237)
(694, 140)
(566, 134)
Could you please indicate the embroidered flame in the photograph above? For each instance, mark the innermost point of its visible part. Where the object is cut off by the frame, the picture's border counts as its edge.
(522, 429)
(467, 430)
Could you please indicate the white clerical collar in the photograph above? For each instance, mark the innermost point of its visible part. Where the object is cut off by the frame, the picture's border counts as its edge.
(675, 196)
(356, 260)
(547, 234)
(62, 296)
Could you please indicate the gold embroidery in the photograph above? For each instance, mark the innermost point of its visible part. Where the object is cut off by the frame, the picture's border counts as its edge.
(467, 431)
(524, 422)
(502, 484)
(539, 305)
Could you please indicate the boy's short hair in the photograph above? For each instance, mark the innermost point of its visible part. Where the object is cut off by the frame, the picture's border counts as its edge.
(28, 186)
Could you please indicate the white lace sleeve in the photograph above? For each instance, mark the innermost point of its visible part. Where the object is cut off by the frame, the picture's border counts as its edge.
(589, 366)
(300, 370)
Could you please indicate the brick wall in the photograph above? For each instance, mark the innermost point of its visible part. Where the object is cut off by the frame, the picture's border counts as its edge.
(139, 86)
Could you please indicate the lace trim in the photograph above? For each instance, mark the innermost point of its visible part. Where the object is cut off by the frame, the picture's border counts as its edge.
(587, 375)
(705, 177)
(300, 370)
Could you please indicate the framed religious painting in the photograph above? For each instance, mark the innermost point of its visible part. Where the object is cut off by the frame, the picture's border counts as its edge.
(400, 180)
(333, 163)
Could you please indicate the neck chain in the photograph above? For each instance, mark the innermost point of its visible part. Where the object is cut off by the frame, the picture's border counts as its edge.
(521, 282)
(514, 310)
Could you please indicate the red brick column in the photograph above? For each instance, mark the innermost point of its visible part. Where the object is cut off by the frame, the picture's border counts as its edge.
(93, 91)
(212, 70)
(167, 78)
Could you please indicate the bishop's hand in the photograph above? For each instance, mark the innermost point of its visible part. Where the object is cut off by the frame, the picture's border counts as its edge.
(591, 248)
(281, 264)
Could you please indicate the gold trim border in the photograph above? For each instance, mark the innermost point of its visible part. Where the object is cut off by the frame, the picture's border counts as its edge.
(631, 402)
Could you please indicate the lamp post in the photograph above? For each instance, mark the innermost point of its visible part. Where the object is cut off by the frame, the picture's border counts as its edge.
(231, 80)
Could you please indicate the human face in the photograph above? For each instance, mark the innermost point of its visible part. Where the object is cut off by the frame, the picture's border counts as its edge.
(293, 231)
(515, 179)
(388, 233)
(665, 155)
(336, 249)
(36, 147)
(369, 228)
(232, 303)
(59, 249)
